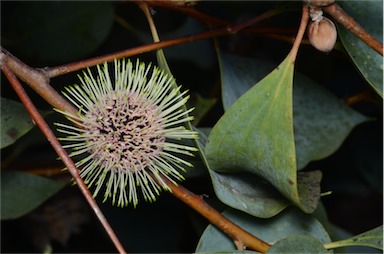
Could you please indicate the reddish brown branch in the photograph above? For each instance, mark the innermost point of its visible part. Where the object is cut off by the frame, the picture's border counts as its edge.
(209, 20)
(239, 235)
(349, 23)
(37, 80)
(64, 69)
(40, 122)
(265, 15)
(300, 32)
(334, 10)
(229, 29)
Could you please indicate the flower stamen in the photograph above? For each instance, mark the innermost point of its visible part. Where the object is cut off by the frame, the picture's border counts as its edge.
(124, 129)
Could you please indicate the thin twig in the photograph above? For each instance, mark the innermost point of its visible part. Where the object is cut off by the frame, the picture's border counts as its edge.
(40, 122)
(239, 235)
(300, 32)
(67, 68)
(349, 23)
(147, 12)
(265, 15)
(229, 29)
(211, 20)
(334, 10)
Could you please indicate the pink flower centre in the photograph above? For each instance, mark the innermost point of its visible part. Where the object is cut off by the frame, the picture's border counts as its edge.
(123, 131)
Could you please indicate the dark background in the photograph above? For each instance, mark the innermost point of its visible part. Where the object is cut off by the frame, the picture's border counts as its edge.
(353, 173)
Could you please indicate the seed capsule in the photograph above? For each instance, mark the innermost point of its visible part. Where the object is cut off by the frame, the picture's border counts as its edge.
(322, 34)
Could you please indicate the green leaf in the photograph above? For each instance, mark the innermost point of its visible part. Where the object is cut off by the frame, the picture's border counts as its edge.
(321, 121)
(256, 134)
(298, 244)
(15, 121)
(244, 191)
(239, 74)
(249, 193)
(369, 14)
(290, 222)
(22, 192)
(58, 31)
(253, 195)
(372, 238)
(315, 137)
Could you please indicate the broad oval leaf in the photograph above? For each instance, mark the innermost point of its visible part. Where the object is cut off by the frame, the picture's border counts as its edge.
(321, 120)
(250, 193)
(256, 134)
(290, 222)
(298, 244)
(22, 192)
(372, 238)
(58, 31)
(239, 74)
(369, 14)
(15, 121)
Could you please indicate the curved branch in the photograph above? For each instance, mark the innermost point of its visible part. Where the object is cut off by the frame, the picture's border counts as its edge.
(239, 235)
(227, 30)
(67, 68)
(37, 80)
(349, 23)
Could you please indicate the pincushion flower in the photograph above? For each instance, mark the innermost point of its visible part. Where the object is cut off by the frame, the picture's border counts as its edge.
(127, 131)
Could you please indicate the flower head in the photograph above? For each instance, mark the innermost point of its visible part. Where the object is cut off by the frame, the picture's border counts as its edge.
(127, 131)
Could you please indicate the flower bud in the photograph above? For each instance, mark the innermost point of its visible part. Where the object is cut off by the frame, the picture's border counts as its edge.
(322, 34)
